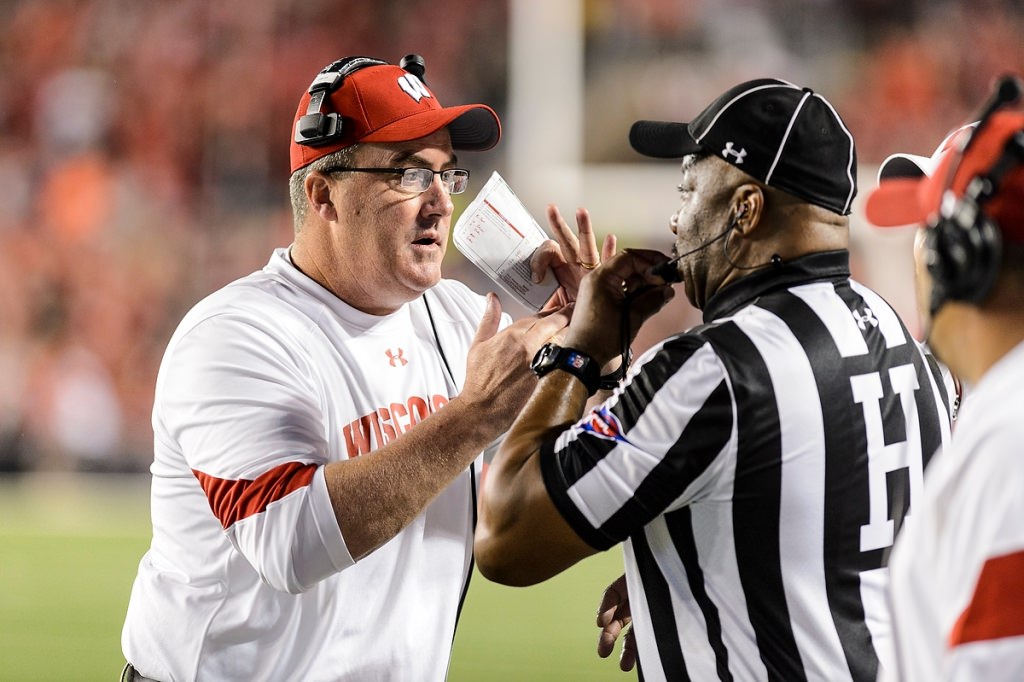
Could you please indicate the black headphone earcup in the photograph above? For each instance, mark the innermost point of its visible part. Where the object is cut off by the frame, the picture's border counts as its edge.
(937, 263)
(963, 259)
(964, 245)
(319, 125)
(988, 241)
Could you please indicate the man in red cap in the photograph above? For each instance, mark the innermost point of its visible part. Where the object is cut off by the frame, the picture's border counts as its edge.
(957, 589)
(313, 505)
(904, 166)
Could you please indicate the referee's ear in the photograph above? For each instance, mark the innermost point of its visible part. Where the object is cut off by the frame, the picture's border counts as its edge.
(747, 207)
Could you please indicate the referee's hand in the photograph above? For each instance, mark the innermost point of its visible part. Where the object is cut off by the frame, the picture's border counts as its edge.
(613, 616)
(622, 285)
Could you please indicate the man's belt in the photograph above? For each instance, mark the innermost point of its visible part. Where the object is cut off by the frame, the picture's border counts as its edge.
(130, 674)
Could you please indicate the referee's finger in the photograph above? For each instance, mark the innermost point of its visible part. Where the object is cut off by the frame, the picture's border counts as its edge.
(606, 641)
(627, 659)
(633, 267)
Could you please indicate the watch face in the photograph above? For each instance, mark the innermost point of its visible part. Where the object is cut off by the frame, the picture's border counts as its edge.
(545, 357)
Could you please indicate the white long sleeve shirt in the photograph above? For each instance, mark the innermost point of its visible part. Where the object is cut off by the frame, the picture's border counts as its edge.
(248, 576)
(957, 590)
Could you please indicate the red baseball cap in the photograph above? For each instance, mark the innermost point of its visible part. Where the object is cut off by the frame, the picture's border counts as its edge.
(381, 102)
(902, 199)
(901, 167)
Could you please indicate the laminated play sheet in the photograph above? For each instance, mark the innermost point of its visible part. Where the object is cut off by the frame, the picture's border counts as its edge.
(498, 235)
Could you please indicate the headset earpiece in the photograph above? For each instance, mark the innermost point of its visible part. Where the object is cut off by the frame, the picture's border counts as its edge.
(319, 126)
(963, 250)
(963, 246)
(741, 213)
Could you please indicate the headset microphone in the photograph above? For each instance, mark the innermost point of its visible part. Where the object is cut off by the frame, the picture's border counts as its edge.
(1007, 91)
(414, 64)
(669, 270)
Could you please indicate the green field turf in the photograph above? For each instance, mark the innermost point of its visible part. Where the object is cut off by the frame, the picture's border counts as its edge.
(68, 551)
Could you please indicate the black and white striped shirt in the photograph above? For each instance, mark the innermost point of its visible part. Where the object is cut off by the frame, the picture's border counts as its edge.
(758, 468)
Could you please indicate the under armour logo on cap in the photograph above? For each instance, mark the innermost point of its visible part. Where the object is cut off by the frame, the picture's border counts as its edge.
(730, 151)
(787, 137)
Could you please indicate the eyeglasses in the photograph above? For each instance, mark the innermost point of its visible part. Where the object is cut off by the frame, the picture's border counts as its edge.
(417, 180)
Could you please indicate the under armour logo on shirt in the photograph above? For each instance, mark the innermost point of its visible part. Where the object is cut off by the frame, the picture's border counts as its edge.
(729, 151)
(413, 87)
(864, 319)
(395, 358)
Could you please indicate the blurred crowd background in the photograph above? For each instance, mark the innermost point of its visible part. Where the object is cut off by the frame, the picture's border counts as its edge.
(144, 149)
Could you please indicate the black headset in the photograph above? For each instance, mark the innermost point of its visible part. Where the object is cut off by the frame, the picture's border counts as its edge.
(318, 126)
(963, 246)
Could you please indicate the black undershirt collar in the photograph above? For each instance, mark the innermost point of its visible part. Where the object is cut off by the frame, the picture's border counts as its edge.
(824, 265)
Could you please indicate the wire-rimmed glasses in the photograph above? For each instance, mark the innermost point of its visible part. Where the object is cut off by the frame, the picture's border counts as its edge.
(417, 180)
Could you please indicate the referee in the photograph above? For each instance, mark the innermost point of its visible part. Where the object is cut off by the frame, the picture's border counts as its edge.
(757, 467)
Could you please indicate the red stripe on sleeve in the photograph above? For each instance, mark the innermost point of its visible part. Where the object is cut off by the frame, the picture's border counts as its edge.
(233, 500)
(997, 608)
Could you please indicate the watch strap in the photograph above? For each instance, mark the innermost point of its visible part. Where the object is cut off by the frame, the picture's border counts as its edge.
(551, 357)
(611, 380)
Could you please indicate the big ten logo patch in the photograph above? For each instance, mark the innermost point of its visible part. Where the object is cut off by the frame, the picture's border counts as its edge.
(604, 424)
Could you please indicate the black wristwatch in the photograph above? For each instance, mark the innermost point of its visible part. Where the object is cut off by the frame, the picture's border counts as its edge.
(551, 357)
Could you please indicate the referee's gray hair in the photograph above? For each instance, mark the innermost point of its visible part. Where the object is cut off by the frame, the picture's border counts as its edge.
(343, 158)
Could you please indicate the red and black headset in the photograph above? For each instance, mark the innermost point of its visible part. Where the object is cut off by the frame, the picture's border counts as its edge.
(318, 126)
(963, 245)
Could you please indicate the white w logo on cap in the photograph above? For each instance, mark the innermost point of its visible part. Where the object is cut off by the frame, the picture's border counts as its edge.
(413, 87)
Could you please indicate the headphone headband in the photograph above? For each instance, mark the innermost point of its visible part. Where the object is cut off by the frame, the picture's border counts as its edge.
(318, 127)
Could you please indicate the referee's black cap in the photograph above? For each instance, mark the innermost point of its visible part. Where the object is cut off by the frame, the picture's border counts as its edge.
(786, 136)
